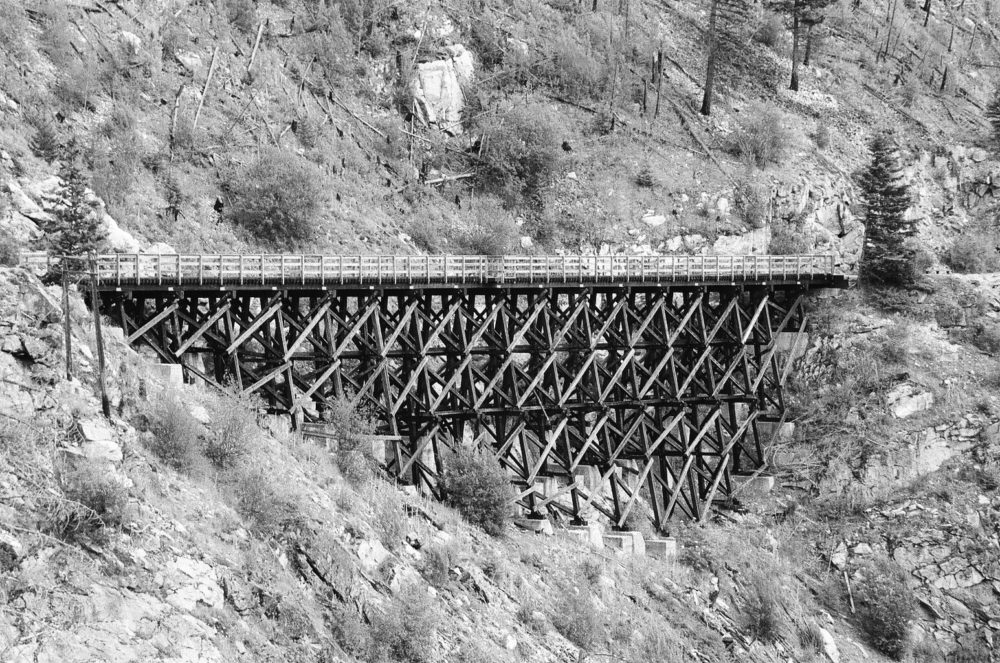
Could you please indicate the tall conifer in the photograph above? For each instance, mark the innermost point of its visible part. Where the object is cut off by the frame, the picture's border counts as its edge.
(78, 229)
(885, 258)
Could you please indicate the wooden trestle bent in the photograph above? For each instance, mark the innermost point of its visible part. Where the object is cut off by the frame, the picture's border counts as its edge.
(613, 392)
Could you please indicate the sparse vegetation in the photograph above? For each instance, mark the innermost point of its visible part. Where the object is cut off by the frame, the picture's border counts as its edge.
(753, 202)
(437, 564)
(474, 483)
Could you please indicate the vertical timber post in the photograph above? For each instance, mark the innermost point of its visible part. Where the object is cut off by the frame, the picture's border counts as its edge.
(95, 306)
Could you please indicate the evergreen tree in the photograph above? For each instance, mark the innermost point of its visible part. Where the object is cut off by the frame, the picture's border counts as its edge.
(885, 258)
(727, 36)
(78, 228)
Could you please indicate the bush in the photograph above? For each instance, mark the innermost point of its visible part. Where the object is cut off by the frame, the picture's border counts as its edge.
(437, 564)
(771, 31)
(354, 428)
(265, 503)
(787, 239)
(645, 178)
(520, 156)
(761, 137)
(822, 136)
(389, 517)
(571, 68)
(491, 232)
(407, 630)
(234, 425)
(176, 435)
(94, 499)
(278, 198)
(765, 618)
(347, 629)
(753, 202)
(9, 249)
(974, 252)
(474, 483)
(810, 640)
(576, 618)
(885, 604)
(242, 15)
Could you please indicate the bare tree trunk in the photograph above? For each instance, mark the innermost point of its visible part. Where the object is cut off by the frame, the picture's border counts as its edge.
(809, 43)
(706, 100)
(927, 12)
(794, 85)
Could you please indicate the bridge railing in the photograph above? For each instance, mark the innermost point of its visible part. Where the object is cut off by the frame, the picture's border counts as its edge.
(263, 269)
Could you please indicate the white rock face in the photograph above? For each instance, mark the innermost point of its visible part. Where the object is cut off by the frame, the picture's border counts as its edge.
(829, 646)
(654, 220)
(437, 89)
(905, 400)
(120, 240)
(372, 554)
(190, 582)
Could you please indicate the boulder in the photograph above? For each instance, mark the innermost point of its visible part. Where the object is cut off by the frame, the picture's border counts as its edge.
(372, 553)
(905, 400)
(654, 220)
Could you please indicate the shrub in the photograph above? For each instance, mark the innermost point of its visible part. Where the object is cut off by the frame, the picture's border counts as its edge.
(645, 178)
(753, 202)
(176, 435)
(761, 137)
(407, 630)
(810, 640)
(9, 249)
(437, 564)
(265, 502)
(787, 239)
(765, 619)
(389, 517)
(474, 483)
(822, 136)
(492, 230)
(986, 337)
(520, 155)
(242, 15)
(771, 31)
(45, 143)
(571, 68)
(354, 428)
(278, 198)
(347, 629)
(93, 499)
(974, 252)
(234, 425)
(885, 606)
(576, 618)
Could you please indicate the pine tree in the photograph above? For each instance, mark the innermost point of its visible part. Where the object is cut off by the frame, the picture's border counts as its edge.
(728, 34)
(885, 258)
(78, 228)
(803, 13)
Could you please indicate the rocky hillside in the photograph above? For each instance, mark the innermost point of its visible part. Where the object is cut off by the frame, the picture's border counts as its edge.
(484, 126)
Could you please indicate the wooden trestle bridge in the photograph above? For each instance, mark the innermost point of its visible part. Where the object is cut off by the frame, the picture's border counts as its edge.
(605, 379)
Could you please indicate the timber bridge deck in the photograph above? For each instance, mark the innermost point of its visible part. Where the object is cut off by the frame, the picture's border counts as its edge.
(603, 384)
(250, 271)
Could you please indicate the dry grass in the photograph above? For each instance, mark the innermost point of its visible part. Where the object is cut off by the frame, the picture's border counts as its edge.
(177, 437)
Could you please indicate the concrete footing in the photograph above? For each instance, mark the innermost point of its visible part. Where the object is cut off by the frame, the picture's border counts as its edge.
(626, 543)
(753, 485)
(592, 534)
(536, 525)
(171, 375)
(665, 549)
